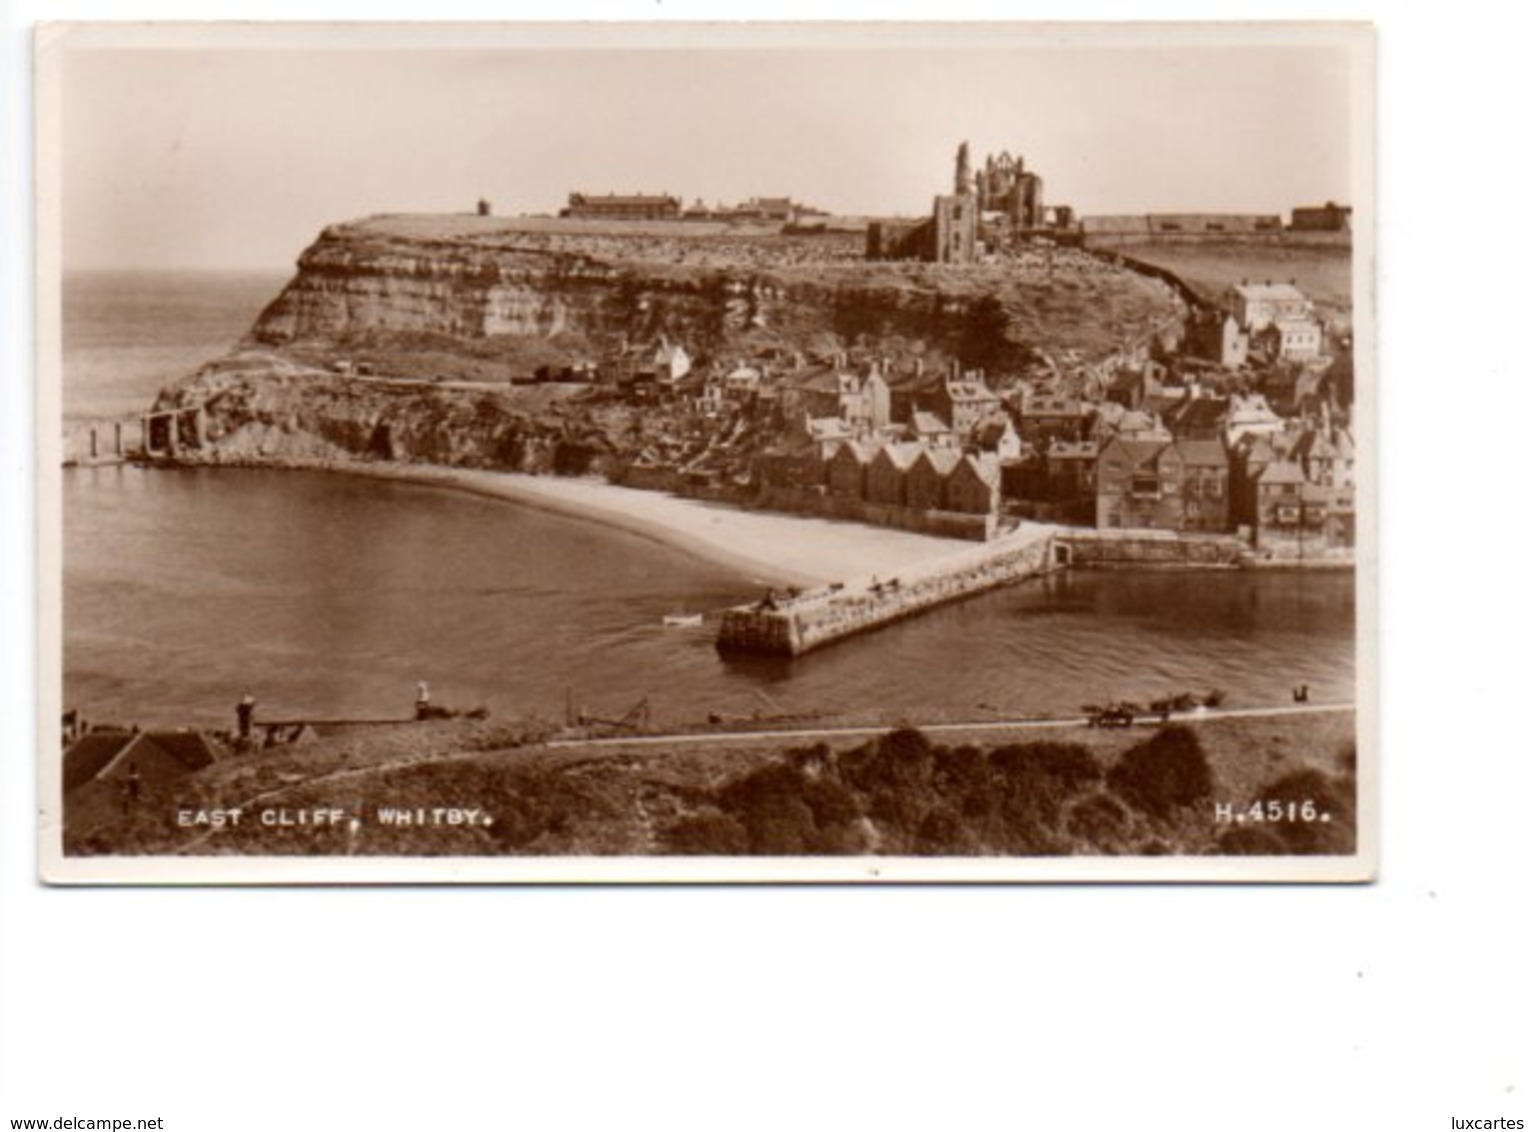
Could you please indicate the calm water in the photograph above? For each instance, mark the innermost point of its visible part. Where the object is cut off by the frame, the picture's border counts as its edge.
(128, 333)
(328, 596)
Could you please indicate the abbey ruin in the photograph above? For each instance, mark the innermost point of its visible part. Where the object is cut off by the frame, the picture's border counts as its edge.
(1000, 205)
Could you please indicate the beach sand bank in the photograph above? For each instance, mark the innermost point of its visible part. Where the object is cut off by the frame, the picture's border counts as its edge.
(768, 547)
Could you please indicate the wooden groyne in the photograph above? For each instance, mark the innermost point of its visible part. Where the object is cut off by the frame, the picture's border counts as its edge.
(791, 626)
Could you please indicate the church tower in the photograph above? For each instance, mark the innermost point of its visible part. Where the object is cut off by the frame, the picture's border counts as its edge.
(962, 181)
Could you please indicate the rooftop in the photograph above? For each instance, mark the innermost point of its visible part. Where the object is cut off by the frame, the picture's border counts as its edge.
(1268, 290)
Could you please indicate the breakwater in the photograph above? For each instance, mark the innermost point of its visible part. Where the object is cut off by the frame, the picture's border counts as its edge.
(789, 626)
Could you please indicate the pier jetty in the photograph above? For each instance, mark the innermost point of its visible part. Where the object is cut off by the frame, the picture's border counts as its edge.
(795, 624)
(96, 443)
(161, 434)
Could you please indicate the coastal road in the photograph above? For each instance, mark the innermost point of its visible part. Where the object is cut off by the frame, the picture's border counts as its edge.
(337, 777)
(999, 724)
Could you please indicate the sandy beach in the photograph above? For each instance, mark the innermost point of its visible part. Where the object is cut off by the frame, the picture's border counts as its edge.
(768, 547)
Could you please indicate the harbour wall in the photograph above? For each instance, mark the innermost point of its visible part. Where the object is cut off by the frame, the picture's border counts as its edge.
(1140, 549)
(798, 624)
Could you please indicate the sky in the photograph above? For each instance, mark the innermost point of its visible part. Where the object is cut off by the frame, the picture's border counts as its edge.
(234, 150)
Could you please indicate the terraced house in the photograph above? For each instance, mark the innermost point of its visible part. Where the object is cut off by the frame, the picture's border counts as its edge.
(1180, 485)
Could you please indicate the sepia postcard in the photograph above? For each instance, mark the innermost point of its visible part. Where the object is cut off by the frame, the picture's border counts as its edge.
(734, 452)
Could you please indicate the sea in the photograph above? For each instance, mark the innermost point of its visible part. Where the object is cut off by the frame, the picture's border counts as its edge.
(332, 597)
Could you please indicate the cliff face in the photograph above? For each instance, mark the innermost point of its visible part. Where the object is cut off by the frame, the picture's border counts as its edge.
(348, 286)
(433, 315)
(263, 408)
(518, 300)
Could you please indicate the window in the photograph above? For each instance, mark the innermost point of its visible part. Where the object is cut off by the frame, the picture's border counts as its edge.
(1147, 485)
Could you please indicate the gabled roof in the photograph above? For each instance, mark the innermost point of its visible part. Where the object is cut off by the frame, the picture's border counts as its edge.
(1256, 451)
(190, 748)
(1250, 405)
(89, 755)
(1198, 412)
(903, 454)
(990, 433)
(1201, 453)
(940, 460)
(94, 753)
(984, 468)
(1268, 291)
(1307, 384)
(828, 428)
(928, 424)
(1298, 322)
(1139, 452)
(861, 450)
(1072, 450)
(617, 198)
(1313, 445)
(818, 381)
(1052, 407)
(1282, 472)
(1133, 420)
(965, 390)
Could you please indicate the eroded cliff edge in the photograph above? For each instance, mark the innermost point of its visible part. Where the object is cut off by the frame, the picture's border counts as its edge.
(436, 317)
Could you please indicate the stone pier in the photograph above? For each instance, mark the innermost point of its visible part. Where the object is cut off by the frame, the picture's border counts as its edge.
(791, 626)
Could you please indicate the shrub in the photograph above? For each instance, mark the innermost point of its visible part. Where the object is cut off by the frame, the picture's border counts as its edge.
(900, 759)
(1100, 820)
(761, 786)
(1327, 796)
(1166, 772)
(708, 833)
(898, 811)
(832, 803)
(1250, 841)
(769, 804)
(1036, 779)
(942, 832)
(960, 771)
(781, 826)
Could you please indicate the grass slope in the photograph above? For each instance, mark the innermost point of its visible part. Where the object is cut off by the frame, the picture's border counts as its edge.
(1322, 271)
(1070, 790)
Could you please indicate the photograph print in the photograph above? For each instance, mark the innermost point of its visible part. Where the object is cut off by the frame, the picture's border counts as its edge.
(742, 452)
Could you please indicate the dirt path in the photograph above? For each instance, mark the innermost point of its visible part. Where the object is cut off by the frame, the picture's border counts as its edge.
(610, 747)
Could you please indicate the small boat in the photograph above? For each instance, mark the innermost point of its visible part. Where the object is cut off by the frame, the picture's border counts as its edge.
(683, 620)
